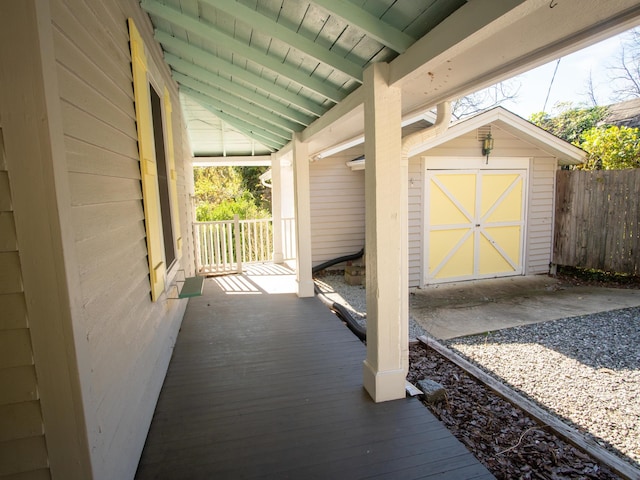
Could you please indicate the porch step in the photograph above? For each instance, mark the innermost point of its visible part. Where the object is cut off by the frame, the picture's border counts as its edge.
(192, 287)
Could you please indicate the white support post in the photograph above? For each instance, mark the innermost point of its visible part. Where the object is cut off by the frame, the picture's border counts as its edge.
(386, 366)
(288, 207)
(303, 217)
(276, 209)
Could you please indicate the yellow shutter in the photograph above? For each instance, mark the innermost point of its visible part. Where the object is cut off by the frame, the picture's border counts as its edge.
(148, 167)
(173, 177)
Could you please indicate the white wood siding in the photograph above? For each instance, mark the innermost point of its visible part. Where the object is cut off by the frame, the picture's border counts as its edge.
(128, 338)
(337, 207)
(22, 442)
(542, 178)
(468, 145)
(416, 216)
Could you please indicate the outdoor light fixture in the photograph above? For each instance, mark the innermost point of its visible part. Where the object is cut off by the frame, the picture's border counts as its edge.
(487, 146)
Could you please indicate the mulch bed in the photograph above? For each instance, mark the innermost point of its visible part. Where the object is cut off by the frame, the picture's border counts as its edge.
(583, 276)
(504, 438)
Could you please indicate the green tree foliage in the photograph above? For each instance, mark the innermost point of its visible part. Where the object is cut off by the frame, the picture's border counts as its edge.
(222, 192)
(251, 183)
(608, 147)
(243, 205)
(611, 148)
(570, 122)
(214, 185)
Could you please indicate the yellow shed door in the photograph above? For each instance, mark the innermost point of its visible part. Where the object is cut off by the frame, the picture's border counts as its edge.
(475, 224)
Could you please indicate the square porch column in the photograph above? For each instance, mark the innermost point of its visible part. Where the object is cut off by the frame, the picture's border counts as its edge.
(302, 197)
(386, 366)
(276, 208)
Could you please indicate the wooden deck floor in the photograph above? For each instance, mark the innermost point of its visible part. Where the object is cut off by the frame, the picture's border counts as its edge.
(270, 386)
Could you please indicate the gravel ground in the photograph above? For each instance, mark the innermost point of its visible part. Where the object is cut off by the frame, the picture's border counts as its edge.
(353, 298)
(585, 370)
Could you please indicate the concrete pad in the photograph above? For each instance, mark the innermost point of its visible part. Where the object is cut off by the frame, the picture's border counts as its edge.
(470, 308)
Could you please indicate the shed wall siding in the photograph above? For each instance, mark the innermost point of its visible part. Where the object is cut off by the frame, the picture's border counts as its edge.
(337, 208)
(337, 201)
(22, 442)
(540, 215)
(468, 145)
(416, 220)
(540, 208)
(129, 338)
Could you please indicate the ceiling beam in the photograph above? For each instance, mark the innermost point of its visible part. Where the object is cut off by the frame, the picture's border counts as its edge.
(374, 27)
(264, 118)
(238, 118)
(471, 63)
(186, 50)
(205, 77)
(449, 36)
(262, 23)
(244, 128)
(350, 108)
(210, 33)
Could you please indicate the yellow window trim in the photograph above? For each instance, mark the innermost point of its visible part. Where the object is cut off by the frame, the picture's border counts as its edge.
(148, 166)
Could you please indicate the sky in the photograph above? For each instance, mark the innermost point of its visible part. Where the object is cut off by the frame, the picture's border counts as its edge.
(570, 83)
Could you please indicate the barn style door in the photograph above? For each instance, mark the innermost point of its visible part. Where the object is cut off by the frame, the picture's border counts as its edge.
(475, 224)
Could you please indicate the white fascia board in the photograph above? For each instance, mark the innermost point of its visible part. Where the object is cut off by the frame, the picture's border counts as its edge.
(357, 164)
(409, 119)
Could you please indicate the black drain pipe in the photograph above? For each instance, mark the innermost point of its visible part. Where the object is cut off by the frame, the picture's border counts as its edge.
(342, 313)
(335, 261)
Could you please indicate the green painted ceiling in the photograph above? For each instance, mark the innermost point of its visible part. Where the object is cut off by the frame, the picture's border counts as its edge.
(253, 72)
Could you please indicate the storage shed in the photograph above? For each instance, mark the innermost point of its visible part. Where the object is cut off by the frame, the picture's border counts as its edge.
(471, 215)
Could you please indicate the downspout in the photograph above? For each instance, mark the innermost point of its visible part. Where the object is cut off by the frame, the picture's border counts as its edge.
(443, 119)
(264, 178)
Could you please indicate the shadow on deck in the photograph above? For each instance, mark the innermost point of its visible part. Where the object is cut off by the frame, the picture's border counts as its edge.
(270, 386)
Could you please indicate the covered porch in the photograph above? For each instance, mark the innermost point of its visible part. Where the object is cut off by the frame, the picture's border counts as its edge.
(99, 110)
(263, 384)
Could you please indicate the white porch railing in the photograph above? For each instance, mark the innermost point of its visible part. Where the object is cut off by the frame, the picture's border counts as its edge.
(223, 246)
(218, 244)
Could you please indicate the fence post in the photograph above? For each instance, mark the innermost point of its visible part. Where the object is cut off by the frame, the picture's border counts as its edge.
(236, 233)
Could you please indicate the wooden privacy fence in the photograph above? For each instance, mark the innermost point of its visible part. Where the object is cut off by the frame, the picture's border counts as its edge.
(597, 222)
(222, 247)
